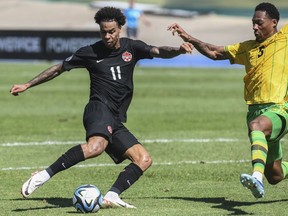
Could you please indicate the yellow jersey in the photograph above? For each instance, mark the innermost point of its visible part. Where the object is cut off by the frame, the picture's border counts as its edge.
(266, 66)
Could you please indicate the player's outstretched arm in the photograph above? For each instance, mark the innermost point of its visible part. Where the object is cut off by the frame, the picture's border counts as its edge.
(45, 76)
(209, 50)
(170, 52)
(176, 28)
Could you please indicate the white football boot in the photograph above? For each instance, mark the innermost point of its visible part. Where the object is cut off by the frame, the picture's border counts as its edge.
(35, 181)
(253, 184)
(112, 199)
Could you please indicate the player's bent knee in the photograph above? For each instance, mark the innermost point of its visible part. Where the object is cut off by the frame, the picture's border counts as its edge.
(94, 149)
(145, 162)
(273, 180)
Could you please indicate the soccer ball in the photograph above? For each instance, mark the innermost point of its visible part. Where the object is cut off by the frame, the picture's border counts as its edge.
(87, 198)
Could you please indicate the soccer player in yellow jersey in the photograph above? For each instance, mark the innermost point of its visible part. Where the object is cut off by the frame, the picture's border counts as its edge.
(265, 91)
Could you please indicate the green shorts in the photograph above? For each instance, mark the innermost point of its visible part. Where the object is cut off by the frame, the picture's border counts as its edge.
(278, 115)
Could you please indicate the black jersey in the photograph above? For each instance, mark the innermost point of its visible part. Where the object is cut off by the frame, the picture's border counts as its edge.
(111, 71)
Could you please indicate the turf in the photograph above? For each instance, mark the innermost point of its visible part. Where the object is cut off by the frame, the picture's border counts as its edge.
(192, 121)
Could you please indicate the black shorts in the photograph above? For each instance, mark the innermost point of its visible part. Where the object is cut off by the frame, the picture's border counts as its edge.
(98, 120)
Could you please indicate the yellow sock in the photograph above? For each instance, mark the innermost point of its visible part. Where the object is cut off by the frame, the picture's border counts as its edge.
(259, 150)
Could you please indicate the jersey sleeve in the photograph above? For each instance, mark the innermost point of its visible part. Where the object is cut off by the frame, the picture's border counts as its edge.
(76, 60)
(237, 53)
(142, 50)
(231, 51)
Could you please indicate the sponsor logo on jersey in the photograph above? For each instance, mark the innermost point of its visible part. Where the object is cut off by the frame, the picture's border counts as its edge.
(126, 56)
(109, 128)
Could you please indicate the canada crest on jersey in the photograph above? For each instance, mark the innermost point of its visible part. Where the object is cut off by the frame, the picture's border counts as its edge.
(126, 56)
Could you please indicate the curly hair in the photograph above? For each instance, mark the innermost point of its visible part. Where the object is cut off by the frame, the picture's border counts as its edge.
(110, 14)
(270, 9)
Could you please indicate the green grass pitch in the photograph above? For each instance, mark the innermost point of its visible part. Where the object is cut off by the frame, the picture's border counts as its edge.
(191, 120)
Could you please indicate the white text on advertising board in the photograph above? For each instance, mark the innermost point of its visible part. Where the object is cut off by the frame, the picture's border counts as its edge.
(20, 44)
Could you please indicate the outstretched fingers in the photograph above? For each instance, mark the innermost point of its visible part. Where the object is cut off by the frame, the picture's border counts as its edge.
(175, 28)
(187, 47)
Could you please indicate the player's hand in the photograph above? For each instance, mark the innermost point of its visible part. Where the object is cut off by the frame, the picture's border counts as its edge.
(186, 48)
(16, 89)
(176, 28)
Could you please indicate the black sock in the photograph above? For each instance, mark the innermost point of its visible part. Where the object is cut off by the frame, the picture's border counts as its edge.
(126, 178)
(73, 156)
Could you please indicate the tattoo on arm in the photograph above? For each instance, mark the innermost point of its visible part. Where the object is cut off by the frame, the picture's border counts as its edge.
(165, 52)
(46, 75)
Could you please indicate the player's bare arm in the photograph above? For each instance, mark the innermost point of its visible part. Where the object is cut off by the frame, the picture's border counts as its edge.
(170, 52)
(45, 76)
(209, 50)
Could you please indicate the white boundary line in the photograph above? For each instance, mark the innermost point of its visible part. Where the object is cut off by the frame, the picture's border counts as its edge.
(143, 141)
(154, 164)
(112, 164)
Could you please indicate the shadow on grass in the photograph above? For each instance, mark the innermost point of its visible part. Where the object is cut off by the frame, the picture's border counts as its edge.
(53, 203)
(222, 203)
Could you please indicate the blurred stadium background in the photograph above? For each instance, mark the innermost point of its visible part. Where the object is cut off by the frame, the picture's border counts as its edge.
(219, 22)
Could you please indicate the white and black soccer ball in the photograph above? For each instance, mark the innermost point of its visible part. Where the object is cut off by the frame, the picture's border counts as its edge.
(87, 198)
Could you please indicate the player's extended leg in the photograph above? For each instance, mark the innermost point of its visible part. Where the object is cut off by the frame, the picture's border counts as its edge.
(276, 171)
(259, 151)
(141, 161)
(266, 158)
(94, 147)
(260, 127)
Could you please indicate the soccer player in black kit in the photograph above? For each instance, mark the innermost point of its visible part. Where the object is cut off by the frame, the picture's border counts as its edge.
(110, 63)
